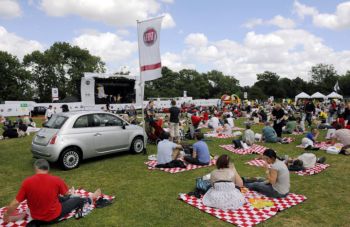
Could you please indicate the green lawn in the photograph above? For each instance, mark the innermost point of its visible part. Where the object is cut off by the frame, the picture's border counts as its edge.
(149, 198)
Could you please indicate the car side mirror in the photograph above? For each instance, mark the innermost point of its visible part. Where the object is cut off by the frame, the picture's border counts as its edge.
(124, 125)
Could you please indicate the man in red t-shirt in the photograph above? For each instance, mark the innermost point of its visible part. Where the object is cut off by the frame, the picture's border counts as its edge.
(47, 196)
(195, 120)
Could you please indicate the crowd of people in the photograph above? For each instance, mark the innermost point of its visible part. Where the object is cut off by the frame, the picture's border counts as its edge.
(52, 200)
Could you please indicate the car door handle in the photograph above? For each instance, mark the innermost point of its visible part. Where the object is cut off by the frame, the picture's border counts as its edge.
(98, 134)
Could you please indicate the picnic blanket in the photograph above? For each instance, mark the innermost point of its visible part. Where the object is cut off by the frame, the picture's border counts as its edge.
(247, 215)
(151, 165)
(323, 145)
(23, 208)
(306, 172)
(254, 149)
(219, 135)
(288, 139)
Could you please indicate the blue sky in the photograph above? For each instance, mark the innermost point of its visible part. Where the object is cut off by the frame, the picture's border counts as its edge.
(240, 38)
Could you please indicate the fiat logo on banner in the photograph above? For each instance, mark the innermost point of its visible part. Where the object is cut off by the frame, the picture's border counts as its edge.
(150, 36)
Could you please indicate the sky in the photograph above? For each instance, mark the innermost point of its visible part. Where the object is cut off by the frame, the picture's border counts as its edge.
(240, 38)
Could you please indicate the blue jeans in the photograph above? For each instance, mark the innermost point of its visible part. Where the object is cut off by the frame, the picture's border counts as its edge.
(265, 189)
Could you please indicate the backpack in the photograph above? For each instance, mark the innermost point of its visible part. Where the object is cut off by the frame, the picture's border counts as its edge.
(202, 185)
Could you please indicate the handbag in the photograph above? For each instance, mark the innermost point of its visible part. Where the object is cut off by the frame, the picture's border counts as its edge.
(202, 185)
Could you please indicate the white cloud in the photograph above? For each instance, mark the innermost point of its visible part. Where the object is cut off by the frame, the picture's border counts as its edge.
(9, 9)
(282, 22)
(340, 19)
(196, 39)
(278, 21)
(303, 10)
(168, 21)
(168, 1)
(253, 23)
(175, 62)
(110, 47)
(113, 12)
(17, 45)
(288, 52)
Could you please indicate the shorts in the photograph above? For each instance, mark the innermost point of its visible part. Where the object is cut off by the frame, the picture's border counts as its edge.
(174, 130)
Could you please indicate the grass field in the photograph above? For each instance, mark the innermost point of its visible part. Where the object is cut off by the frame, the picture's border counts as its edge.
(149, 198)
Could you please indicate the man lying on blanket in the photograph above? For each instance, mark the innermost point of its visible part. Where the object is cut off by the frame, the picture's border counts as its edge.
(277, 184)
(47, 197)
(304, 161)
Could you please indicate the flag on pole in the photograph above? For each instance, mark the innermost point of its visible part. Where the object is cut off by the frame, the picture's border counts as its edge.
(336, 87)
(149, 54)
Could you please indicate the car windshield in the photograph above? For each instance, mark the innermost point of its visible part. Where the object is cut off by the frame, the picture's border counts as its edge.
(56, 122)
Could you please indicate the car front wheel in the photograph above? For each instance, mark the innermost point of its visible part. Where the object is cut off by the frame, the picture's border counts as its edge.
(137, 145)
(70, 159)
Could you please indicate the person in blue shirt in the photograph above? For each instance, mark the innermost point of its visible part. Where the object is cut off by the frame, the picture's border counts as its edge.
(269, 134)
(200, 155)
(313, 135)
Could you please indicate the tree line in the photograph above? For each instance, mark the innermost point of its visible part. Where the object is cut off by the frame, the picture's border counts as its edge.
(63, 66)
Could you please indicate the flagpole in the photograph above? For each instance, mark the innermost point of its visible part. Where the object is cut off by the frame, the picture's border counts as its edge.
(141, 84)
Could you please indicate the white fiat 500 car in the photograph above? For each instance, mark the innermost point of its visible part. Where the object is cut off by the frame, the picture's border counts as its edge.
(68, 138)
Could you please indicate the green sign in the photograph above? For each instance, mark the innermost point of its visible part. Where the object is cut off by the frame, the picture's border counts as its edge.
(24, 105)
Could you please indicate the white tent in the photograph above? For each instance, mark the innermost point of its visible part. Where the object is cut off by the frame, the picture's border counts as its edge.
(302, 95)
(318, 95)
(334, 95)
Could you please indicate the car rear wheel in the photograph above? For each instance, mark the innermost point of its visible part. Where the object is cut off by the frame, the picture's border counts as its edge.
(70, 158)
(137, 145)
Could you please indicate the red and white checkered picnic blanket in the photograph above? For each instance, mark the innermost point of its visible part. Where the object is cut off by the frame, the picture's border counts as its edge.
(297, 133)
(323, 145)
(288, 139)
(151, 165)
(254, 149)
(219, 135)
(247, 215)
(23, 208)
(307, 172)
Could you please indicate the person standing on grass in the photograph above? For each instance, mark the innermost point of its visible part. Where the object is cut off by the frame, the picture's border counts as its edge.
(309, 111)
(174, 121)
(46, 197)
(277, 116)
(277, 184)
(48, 113)
(200, 155)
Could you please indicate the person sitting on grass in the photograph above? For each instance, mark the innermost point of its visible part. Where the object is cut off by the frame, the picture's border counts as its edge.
(248, 135)
(47, 197)
(200, 155)
(309, 141)
(300, 127)
(343, 136)
(269, 134)
(277, 184)
(223, 194)
(290, 125)
(167, 151)
(226, 129)
(304, 161)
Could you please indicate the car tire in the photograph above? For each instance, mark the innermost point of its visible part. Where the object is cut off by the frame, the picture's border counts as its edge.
(137, 145)
(70, 158)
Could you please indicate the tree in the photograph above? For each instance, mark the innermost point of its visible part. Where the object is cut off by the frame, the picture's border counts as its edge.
(268, 82)
(324, 77)
(14, 79)
(344, 84)
(61, 66)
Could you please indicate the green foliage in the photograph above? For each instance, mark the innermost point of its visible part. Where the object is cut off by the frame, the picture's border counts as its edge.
(212, 84)
(14, 79)
(61, 66)
(324, 77)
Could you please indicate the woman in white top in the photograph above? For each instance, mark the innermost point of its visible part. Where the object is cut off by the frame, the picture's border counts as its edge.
(277, 184)
(223, 194)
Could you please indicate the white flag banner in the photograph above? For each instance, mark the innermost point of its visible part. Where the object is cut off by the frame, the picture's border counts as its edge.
(336, 87)
(149, 53)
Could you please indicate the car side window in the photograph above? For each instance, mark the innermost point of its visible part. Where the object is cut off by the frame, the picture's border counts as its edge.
(107, 120)
(81, 122)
